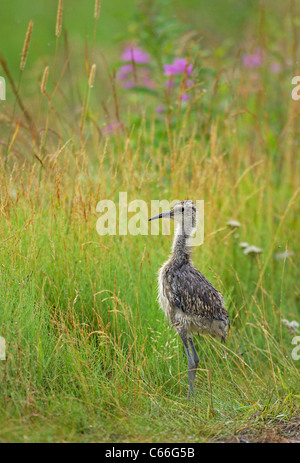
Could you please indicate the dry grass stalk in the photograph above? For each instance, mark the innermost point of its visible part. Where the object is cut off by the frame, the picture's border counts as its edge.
(92, 75)
(97, 9)
(26, 45)
(44, 80)
(59, 18)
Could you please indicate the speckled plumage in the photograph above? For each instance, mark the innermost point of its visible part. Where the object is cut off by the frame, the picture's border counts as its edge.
(190, 302)
(189, 299)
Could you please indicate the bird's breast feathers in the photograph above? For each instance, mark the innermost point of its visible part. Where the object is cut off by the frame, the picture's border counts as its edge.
(185, 294)
(162, 298)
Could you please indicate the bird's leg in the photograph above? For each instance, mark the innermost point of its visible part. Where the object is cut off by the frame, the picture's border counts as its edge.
(192, 361)
(195, 357)
(195, 354)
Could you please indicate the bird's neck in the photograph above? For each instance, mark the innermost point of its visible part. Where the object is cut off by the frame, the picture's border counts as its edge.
(181, 250)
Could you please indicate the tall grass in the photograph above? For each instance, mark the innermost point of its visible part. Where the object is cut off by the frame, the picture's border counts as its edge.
(90, 355)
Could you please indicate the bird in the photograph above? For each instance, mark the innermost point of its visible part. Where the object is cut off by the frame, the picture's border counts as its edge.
(190, 302)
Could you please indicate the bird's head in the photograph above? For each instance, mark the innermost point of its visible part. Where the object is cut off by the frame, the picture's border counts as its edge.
(184, 213)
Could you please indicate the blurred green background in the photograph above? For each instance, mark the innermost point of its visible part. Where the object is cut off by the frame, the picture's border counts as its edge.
(217, 21)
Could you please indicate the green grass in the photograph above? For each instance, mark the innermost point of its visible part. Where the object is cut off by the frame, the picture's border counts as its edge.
(90, 356)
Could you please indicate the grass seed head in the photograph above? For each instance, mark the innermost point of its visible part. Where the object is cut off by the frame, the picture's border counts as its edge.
(97, 9)
(92, 75)
(59, 18)
(26, 45)
(44, 80)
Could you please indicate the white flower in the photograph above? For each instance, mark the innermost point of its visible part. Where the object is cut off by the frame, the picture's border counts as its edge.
(291, 326)
(244, 245)
(12, 193)
(233, 224)
(252, 250)
(283, 255)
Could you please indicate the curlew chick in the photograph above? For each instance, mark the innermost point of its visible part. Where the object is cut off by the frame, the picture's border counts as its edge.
(190, 302)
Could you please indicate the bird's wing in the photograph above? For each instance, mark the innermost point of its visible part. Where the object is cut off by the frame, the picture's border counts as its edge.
(189, 290)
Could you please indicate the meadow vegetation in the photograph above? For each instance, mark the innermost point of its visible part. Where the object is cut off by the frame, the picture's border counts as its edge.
(90, 356)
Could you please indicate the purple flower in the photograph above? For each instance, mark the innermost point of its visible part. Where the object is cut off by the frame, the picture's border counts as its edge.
(143, 81)
(135, 54)
(129, 84)
(275, 67)
(185, 97)
(124, 71)
(253, 60)
(170, 83)
(160, 109)
(133, 76)
(148, 82)
(169, 70)
(111, 128)
(179, 66)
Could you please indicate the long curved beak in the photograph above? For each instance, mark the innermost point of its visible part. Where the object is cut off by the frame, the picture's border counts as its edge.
(163, 215)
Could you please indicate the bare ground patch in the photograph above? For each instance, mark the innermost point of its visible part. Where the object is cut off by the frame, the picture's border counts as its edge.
(279, 432)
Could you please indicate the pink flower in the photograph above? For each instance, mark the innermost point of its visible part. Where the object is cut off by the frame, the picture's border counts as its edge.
(253, 60)
(160, 109)
(185, 97)
(124, 71)
(170, 83)
(135, 54)
(111, 128)
(148, 83)
(169, 70)
(179, 66)
(133, 76)
(129, 84)
(275, 67)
